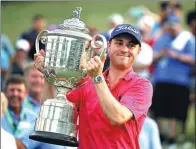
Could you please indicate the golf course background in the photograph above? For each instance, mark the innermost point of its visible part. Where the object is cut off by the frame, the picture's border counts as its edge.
(16, 16)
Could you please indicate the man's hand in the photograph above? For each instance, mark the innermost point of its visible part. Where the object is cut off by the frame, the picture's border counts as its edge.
(83, 62)
(95, 66)
(20, 145)
(158, 55)
(39, 60)
(172, 54)
(163, 52)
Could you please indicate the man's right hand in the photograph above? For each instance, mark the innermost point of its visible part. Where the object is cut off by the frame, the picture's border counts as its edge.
(39, 60)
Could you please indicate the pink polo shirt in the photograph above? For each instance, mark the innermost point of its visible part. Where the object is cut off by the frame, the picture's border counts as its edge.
(95, 129)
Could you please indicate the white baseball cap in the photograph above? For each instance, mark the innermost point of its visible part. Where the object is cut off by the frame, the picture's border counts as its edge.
(145, 21)
(116, 19)
(22, 44)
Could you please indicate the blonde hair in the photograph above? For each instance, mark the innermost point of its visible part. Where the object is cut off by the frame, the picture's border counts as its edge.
(4, 103)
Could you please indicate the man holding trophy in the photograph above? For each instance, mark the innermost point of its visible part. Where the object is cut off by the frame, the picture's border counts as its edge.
(111, 105)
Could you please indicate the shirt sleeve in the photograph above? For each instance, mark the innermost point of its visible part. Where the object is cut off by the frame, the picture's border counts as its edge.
(146, 55)
(76, 95)
(138, 98)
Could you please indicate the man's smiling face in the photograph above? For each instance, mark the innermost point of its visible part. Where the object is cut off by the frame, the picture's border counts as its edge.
(123, 50)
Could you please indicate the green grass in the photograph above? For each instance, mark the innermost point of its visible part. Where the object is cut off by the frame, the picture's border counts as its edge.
(191, 122)
(16, 16)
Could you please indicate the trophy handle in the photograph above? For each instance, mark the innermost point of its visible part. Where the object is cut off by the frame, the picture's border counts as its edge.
(41, 36)
(99, 45)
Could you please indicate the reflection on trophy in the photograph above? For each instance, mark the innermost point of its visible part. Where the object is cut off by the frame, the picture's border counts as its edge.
(65, 47)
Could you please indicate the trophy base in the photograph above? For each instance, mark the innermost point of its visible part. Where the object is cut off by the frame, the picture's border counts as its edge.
(54, 138)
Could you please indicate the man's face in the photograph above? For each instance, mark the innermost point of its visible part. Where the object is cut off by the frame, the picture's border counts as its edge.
(163, 14)
(173, 8)
(39, 24)
(15, 94)
(35, 81)
(173, 28)
(123, 51)
(21, 55)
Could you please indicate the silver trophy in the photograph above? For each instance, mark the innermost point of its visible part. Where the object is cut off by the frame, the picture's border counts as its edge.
(65, 47)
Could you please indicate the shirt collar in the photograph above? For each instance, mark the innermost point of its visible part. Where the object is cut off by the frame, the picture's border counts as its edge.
(13, 115)
(32, 101)
(127, 77)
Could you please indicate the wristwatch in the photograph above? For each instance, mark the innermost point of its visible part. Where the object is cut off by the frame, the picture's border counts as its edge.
(97, 79)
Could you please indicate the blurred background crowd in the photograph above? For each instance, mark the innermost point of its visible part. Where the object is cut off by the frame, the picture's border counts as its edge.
(167, 59)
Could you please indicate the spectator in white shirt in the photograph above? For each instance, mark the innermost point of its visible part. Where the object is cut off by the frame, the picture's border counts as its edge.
(145, 57)
(143, 61)
(149, 136)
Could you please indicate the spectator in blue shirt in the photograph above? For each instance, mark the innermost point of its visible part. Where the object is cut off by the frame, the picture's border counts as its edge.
(166, 8)
(7, 53)
(38, 89)
(17, 118)
(38, 24)
(20, 120)
(174, 55)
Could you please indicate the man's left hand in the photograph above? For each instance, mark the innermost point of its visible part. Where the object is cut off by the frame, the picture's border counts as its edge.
(95, 66)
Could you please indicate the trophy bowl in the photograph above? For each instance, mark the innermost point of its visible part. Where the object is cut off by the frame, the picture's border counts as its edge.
(65, 46)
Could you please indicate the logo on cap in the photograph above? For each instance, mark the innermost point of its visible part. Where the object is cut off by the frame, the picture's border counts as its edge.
(125, 27)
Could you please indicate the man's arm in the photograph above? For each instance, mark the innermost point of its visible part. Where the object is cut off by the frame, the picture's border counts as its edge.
(158, 55)
(116, 113)
(185, 58)
(130, 104)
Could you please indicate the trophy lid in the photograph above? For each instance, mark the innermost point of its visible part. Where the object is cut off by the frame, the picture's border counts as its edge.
(74, 23)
